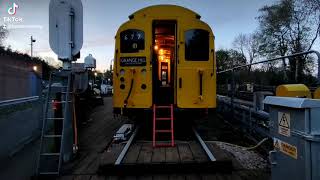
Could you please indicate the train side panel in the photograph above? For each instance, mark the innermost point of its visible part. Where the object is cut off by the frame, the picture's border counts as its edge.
(139, 77)
(196, 74)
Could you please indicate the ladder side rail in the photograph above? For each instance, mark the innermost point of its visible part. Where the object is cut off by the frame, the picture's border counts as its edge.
(154, 127)
(44, 122)
(66, 118)
(172, 129)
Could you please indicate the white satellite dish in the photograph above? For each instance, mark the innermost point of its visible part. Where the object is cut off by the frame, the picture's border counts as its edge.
(66, 28)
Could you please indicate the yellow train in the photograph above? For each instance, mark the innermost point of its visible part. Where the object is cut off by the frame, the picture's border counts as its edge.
(164, 55)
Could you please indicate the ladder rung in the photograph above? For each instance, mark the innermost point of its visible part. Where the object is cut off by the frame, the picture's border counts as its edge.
(49, 173)
(52, 136)
(164, 144)
(163, 107)
(164, 131)
(50, 154)
(55, 118)
(161, 119)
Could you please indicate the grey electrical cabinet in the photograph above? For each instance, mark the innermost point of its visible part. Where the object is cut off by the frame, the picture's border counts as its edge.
(295, 127)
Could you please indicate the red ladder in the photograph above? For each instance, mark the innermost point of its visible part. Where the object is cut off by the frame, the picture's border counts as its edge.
(155, 130)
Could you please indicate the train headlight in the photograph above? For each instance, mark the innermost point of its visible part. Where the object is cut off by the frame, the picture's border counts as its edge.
(122, 71)
(122, 79)
(122, 86)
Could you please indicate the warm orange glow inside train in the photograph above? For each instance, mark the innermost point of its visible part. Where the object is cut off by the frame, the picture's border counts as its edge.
(164, 47)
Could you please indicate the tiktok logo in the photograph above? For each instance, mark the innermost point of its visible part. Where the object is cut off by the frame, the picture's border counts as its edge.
(13, 9)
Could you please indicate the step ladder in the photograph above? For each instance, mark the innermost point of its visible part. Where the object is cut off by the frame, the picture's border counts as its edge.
(53, 135)
(157, 131)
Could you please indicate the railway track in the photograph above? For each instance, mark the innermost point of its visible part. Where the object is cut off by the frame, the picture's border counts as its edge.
(165, 160)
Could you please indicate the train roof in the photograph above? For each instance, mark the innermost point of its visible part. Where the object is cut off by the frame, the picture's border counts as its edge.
(165, 10)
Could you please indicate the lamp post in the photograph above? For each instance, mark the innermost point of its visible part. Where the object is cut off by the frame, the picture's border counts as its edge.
(31, 44)
(95, 77)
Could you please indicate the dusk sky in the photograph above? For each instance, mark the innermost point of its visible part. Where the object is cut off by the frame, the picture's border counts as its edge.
(227, 18)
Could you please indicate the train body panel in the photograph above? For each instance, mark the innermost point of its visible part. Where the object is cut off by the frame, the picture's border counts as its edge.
(164, 55)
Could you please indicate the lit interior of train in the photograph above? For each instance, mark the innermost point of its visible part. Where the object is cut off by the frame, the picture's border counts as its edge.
(164, 33)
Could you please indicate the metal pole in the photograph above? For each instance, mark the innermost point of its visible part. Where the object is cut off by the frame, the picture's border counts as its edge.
(232, 92)
(232, 89)
(66, 63)
(285, 77)
(31, 52)
(297, 71)
(31, 44)
(318, 55)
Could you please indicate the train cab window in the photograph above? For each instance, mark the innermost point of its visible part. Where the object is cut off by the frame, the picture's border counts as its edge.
(197, 45)
(131, 41)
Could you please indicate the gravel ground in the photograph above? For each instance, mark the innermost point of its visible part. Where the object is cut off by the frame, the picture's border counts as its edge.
(248, 159)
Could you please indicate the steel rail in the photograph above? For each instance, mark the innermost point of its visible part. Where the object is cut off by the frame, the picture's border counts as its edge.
(203, 145)
(126, 147)
(130, 141)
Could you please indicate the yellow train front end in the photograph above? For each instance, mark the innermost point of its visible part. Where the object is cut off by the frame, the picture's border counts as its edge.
(164, 55)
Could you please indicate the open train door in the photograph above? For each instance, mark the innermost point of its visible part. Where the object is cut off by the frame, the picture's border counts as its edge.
(195, 67)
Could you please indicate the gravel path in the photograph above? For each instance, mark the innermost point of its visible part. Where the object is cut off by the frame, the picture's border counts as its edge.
(248, 159)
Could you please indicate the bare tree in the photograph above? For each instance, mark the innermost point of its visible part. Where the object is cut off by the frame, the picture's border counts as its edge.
(3, 34)
(313, 4)
(288, 27)
(312, 9)
(240, 42)
(52, 62)
(248, 46)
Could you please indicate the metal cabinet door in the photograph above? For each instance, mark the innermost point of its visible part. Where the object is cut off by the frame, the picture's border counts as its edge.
(291, 154)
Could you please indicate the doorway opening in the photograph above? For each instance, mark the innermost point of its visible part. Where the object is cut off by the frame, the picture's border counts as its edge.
(164, 60)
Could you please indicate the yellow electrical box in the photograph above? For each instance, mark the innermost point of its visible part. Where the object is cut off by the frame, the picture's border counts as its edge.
(293, 90)
(316, 94)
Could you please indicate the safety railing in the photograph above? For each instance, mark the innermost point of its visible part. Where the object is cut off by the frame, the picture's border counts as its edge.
(246, 113)
(254, 121)
(18, 101)
(267, 61)
(20, 124)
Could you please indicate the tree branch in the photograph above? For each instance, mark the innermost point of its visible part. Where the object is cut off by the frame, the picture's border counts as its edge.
(316, 36)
